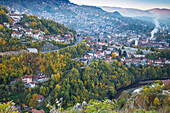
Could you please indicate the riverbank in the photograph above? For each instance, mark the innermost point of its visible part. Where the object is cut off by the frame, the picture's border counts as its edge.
(135, 85)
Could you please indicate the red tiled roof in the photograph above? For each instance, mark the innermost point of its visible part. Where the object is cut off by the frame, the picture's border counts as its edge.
(28, 30)
(116, 52)
(128, 58)
(40, 96)
(14, 15)
(149, 60)
(108, 56)
(41, 77)
(135, 60)
(98, 52)
(106, 60)
(76, 59)
(166, 82)
(36, 76)
(32, 82)
(158, 60)
(38, 30)
(17, 32)
(91, 43)
(127, 61)
(27, 76)
(87, 55)
(37, 111)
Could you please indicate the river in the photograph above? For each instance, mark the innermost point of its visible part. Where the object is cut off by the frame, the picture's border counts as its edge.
(135, 86)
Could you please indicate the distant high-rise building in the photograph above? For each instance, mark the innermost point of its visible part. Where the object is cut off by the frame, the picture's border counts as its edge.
(136, 42)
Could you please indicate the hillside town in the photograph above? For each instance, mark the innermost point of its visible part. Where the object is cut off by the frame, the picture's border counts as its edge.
(110, 52)
(90, 20)
(95, 41)
(19, 31)
(107, 46)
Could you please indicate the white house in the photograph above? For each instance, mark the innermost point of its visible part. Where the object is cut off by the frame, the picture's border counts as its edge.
(6, 24)
(40, 32)
(67, 34)
(108, 51)
(28, 32)
(90, 53)
(98, 54)
(87, 57)
(32, 50)
(122, 59)
(108, 57)
(128, 63)
(26, 79)
(111, 48)
(139, 55)
(16, 34)
(167, 62)
(18, 16)
(137, 90)
(32, 84)
(36, 36)
(102, 53)
(26, 24)
(42, 79)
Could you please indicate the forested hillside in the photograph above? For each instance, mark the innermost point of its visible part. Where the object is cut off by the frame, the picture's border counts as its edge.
(8, 27)
(46, 25)
(68, 80)
(3, 15)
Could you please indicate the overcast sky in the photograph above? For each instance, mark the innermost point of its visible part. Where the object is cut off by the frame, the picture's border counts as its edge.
(139, 4)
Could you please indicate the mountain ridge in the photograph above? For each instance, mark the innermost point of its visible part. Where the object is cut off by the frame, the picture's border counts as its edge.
(160, 11)
(83, 18)
(67, 1)
(132, 12)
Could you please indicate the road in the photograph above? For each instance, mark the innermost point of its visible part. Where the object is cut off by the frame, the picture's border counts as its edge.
(88, 64)
(76, 43)
(92, 56)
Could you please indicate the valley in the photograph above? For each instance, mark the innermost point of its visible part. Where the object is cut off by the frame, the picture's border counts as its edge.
(60, 57)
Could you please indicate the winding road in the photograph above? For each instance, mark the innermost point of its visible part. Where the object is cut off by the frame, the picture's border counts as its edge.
(76, 43)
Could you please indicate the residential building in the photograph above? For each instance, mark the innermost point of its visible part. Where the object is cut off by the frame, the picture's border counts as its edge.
(42, 79)
(37, 111)
(26, 79)
(32, 50)
(32, 84)
(40, 98)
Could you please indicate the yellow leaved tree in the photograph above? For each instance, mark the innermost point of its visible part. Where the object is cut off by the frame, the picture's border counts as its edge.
(5, 108)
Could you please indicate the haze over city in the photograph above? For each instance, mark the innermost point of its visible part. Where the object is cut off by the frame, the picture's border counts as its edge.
(139, 4)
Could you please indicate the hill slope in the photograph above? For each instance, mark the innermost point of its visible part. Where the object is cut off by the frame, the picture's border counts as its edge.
(88, 19)
(129, 12)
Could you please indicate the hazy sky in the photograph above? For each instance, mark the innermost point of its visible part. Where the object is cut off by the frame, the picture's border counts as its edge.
(140, 4)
